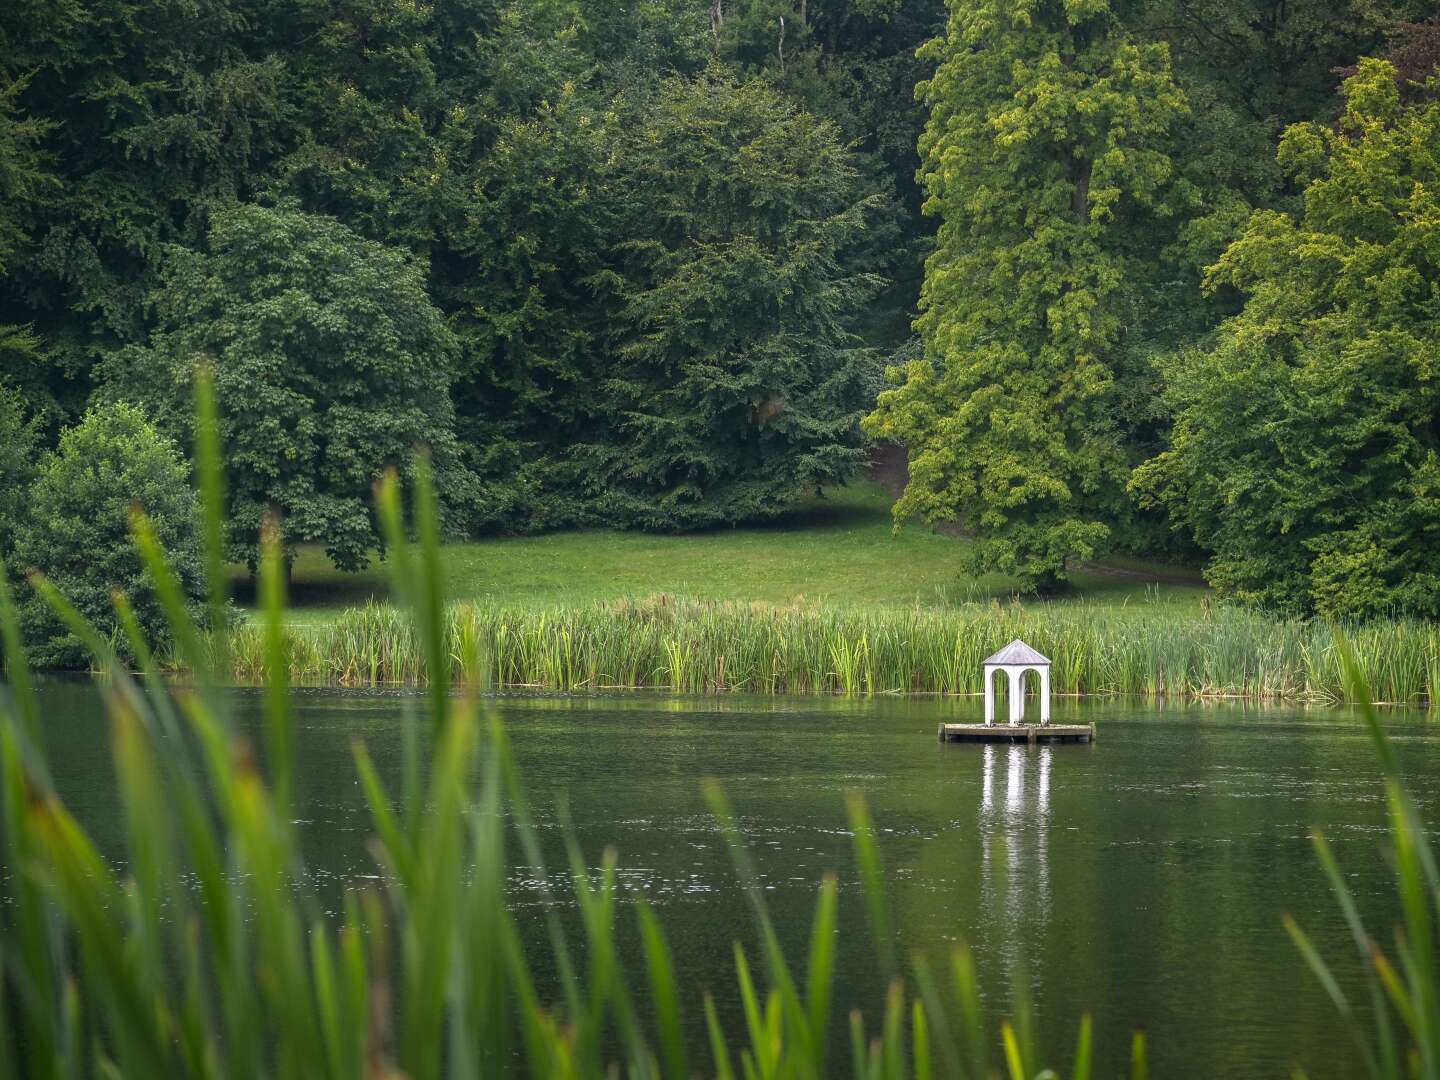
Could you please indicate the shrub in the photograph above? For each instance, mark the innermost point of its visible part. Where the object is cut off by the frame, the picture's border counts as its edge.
(76, 529)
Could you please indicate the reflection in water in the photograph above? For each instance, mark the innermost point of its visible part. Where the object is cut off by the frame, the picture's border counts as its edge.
(1014, 848)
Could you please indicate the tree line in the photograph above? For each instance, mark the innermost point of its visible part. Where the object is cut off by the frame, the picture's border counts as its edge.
(1176, 305)
(642, 265)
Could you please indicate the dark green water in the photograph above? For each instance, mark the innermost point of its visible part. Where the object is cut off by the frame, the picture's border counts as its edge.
(1141, 878)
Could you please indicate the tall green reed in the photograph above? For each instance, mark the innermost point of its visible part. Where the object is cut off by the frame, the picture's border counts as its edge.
(688, 646)
(1396, 1028)
(204, 953)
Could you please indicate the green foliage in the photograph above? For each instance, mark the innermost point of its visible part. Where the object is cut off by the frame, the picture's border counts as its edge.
(541, 160)
(76, 529)
(1251, 68)
(22, 170)
(157, 112)
(1397, 1031)
(330, 364)
(539, 220)
(734, 385)
(1046, 159)
(1305, 445)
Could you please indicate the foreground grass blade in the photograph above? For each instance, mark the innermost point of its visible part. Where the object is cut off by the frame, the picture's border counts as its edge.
(210, 474)
(279, 723)
(1084, 1050)
(17, 664)
(872, 875)
(663, 993)
(1139, 1057)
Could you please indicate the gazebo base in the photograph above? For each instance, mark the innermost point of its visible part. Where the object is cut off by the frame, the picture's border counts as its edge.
(1013, 733)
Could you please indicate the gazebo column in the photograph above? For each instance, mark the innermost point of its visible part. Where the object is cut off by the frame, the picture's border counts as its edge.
(1044, 694)
(1017, 694)
(989, 695)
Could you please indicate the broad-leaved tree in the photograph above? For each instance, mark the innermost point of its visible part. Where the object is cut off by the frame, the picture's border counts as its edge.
(1045, 159)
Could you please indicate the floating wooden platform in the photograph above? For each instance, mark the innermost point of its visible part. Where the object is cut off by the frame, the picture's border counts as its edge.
(1017, 733)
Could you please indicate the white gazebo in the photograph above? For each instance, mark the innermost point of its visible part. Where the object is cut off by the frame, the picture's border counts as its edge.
(1014, 660)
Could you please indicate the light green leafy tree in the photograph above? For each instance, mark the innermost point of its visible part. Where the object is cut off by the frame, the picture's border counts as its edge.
(76, 528)
(1305, 443)
(330, 363)
(1045, 158)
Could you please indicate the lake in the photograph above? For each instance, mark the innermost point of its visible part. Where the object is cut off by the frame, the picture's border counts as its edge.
(1141, 878)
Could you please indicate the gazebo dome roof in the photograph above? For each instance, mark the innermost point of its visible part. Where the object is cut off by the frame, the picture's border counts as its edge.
(1017, 652)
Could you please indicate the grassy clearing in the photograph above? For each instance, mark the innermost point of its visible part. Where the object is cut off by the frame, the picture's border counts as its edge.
(837, 552)
(692, 647)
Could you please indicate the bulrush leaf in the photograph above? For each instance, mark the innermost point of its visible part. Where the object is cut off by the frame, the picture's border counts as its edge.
(17, 666)
(280, 738)
(920, 1034)
(719, 1050)
(210, 474)
(820, 970)
(1139, 1057)
(172, 596)
(1084, 1050)
(872, 876)
(401, 564)
(663, 993)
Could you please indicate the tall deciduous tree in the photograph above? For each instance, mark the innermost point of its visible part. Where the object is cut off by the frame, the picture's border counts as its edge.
(330, 364)
(1045, 159)
(1306, 438)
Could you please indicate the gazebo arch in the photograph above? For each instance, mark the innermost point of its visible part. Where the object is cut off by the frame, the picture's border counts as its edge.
(1015, 659)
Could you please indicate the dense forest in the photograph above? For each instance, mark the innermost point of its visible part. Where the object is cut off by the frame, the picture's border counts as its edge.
(1120, 275)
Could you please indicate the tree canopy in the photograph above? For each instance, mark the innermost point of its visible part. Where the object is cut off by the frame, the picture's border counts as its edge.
(1046, 158)
(734, 385)
(633, 265)
(1306, 436)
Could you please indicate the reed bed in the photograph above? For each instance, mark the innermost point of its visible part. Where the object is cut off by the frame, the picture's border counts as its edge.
(686, 646)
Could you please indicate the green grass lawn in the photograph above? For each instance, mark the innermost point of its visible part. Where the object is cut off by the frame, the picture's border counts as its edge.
(838, 550)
